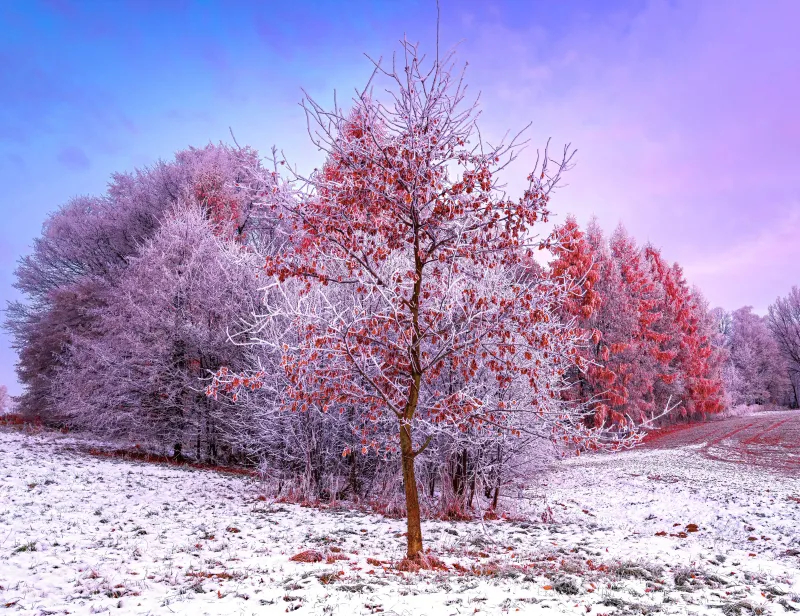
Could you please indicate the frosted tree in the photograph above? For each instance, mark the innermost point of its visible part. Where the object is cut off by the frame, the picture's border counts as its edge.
(88, 243)
(688, 358)
(137, 373)
(652, 350)
(409, 279)
(643, 362)
(761, 375)
(5, 400)
(584, 261)
(784, 322)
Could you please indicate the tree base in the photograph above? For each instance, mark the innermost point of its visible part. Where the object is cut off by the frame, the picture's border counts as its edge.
(427, 562)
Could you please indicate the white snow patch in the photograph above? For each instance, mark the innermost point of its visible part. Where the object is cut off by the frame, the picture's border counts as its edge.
(82, 534)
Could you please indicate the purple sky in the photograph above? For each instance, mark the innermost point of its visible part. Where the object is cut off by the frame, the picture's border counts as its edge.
(685, 114)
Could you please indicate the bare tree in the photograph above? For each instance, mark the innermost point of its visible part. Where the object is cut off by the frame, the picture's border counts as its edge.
(784, 322)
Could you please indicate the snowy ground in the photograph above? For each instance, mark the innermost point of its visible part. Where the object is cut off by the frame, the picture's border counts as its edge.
(81, 535)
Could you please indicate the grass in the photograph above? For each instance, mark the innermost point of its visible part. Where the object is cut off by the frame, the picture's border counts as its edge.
(26, 547)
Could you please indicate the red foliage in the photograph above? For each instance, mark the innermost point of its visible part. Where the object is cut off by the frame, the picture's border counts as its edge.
(223, 210)
(584, 260)
(424, 562)
(685, 343)
(651, 347)
(307, 556)
(17, 420)
(575, 265)
(333, 558)
(643, 362)
(409, 281)
(654, 435)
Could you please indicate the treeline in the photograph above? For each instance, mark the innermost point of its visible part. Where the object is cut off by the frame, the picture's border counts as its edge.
(657, 349)
(378, 329)
(762, 354)
(138, 297)
(653, 353)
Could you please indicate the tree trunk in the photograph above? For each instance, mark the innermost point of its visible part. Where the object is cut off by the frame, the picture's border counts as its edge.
(414, 541)
(353, 479)
(414, 536)
(498, 477)
(460, 474)
(471, 488)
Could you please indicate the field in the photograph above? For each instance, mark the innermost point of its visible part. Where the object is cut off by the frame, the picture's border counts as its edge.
(769, 440)
(702, 520)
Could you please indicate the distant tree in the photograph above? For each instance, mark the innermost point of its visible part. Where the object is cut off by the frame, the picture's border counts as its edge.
(761, 375)
(574, 264)
(643, 362)
(584, 263)
(5, 400)
(703, 359)
(690, 362)
(784, 322)
(653, 349)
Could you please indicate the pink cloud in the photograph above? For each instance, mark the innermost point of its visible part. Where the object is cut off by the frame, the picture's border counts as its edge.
(685, 119)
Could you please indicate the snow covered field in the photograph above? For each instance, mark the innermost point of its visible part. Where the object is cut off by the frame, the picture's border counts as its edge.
(649, 531)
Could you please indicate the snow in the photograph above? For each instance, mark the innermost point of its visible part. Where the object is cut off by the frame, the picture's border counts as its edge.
(82, 534)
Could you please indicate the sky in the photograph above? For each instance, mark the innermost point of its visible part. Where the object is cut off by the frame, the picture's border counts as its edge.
(684, 114)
